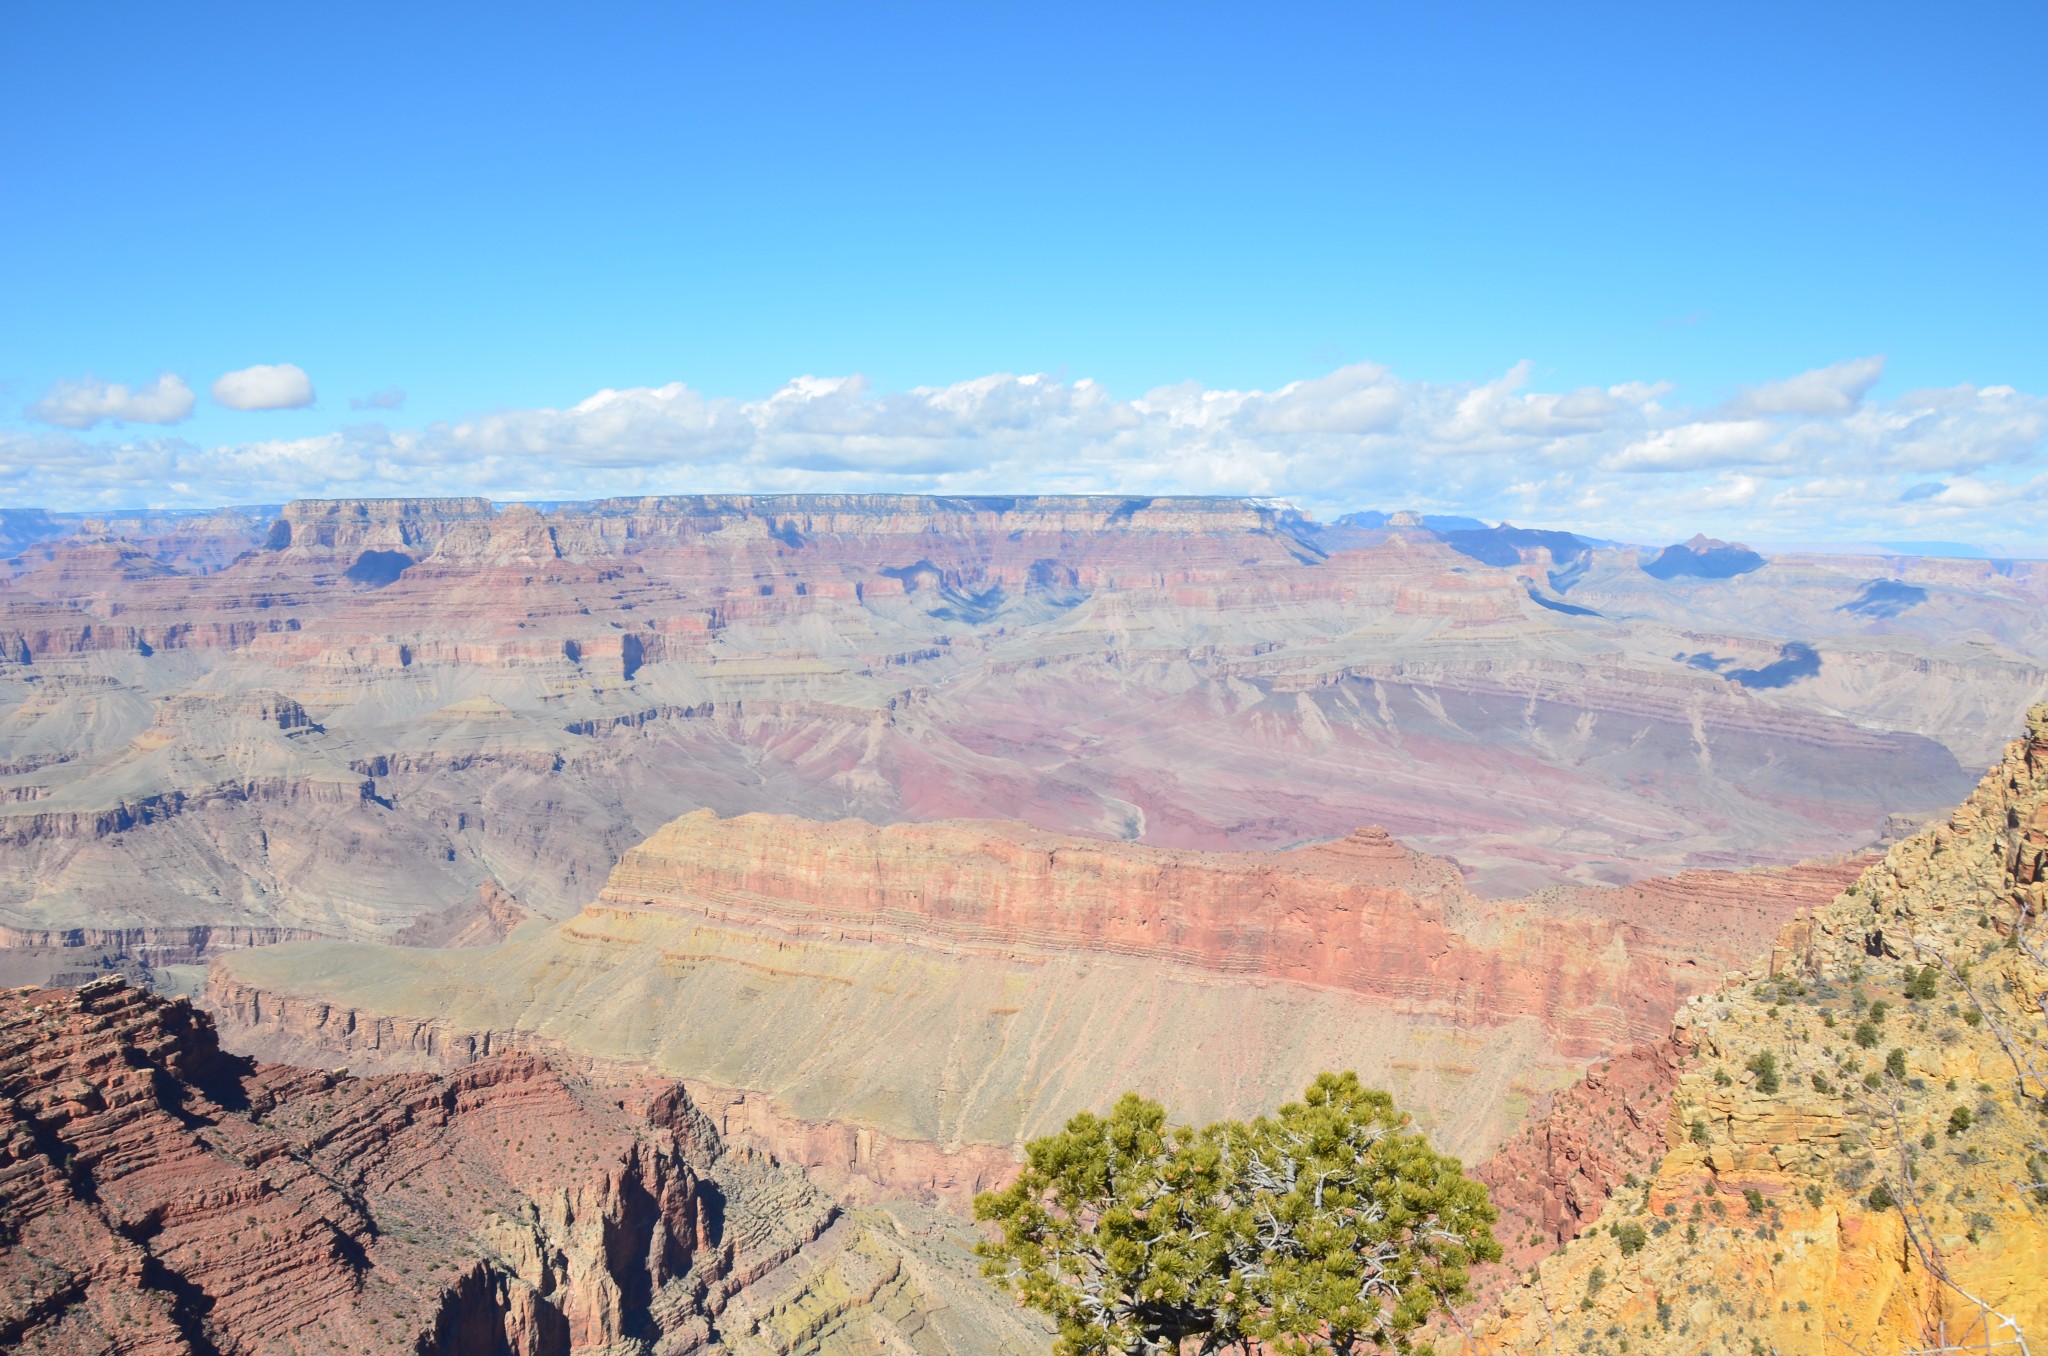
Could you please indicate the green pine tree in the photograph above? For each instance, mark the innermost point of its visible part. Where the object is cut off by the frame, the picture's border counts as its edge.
(1330, 1226)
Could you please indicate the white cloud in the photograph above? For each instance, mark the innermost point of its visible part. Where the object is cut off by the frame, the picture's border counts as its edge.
(1360, 399)
(1641, 392)
(1955, 428)
(1620, 461)
(1825, 390)
(1730, 492)
(88, 400)
(266, 386)
(1696, 447)
(1975, 494)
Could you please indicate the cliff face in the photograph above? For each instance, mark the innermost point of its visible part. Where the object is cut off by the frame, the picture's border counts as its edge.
(939, 992)
(1362, 914)
(1855, 1140)
(1553, 1177)
(159, 1196)
(360, 715)
(351, 526)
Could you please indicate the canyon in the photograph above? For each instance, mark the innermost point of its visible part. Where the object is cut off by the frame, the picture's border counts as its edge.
(966, 985)
(343, 719)
(803, 856)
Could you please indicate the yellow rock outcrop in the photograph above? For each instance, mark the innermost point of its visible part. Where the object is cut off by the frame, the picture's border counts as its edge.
(1861, 1130)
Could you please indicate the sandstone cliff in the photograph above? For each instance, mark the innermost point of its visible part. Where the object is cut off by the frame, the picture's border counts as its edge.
(1855, 1143)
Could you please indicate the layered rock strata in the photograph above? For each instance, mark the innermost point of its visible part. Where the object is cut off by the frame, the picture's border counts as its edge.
(489, 918)
(354, 717)
(939, 992)
(159, 1196)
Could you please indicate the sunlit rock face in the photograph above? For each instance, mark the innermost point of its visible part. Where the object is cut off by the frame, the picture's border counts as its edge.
(354, 715)
(1850, 1143)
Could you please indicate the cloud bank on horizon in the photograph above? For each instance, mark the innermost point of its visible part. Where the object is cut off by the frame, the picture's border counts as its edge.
(1809, 457)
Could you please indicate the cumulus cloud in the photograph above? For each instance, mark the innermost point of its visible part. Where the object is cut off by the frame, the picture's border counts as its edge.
(1825, 390)
(1359, 399)
(266, 386)
(88, 401)
(389, 398)
(1735, 491)
(1697, 447)
(1803, 458)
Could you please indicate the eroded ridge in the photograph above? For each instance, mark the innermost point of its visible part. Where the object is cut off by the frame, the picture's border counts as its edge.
(157, 1195)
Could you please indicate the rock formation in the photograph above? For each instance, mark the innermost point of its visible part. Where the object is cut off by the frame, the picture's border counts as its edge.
(159, 1196)
(1854, 1154)
(1703, 558)
(929, 995)
(1554, 1175)
(355, 715)
(487, 919)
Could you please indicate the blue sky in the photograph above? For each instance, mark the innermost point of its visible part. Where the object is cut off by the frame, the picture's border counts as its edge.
(507, 209)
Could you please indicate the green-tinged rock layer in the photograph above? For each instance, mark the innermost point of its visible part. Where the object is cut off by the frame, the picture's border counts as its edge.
(945, 1049)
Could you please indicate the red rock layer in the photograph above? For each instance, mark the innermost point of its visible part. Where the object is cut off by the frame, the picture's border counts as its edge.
(157, 1196)
(1714, 915)
(1599, 969)
(1553, 1178)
